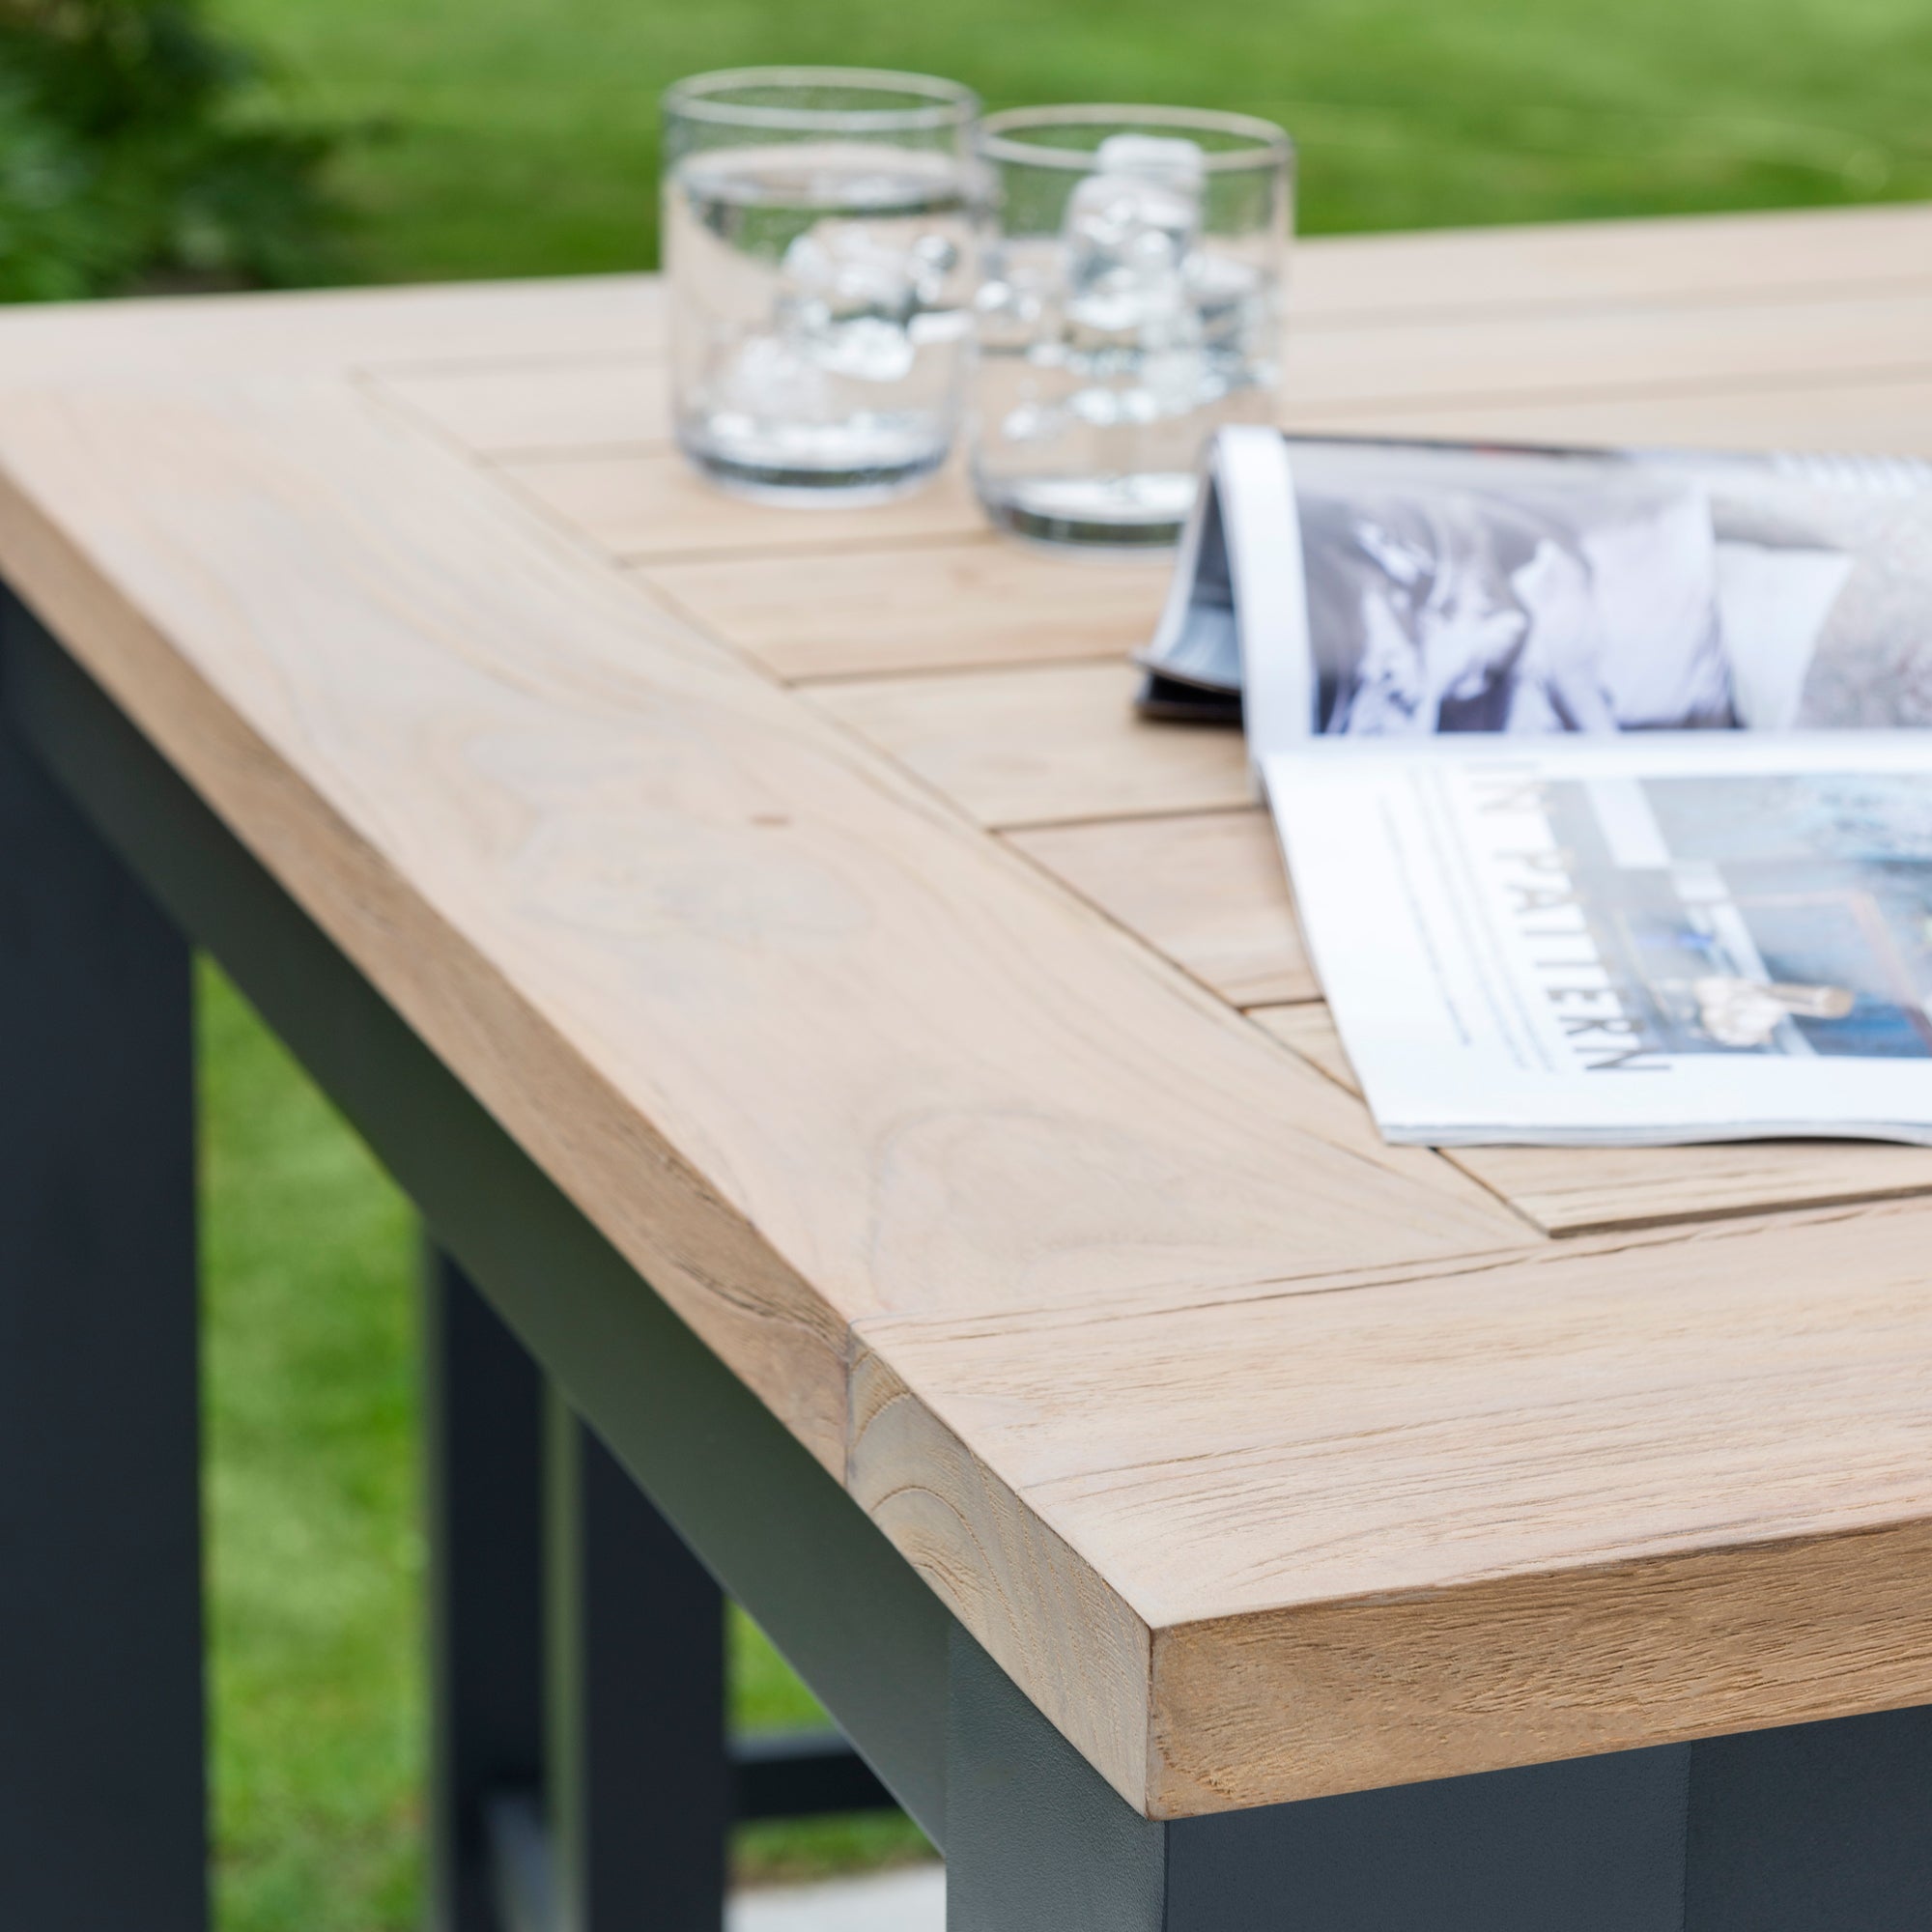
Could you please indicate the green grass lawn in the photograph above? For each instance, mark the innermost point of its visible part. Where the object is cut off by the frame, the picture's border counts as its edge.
(518, 137)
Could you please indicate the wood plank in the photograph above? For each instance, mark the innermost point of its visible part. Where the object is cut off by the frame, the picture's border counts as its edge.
(1890, 416)
(1576, 1190)
(1039, 746)
(800, 1043)
(1208, 890)
(928, 607)
(325, 331)
(645, 507)
(1580, 1498)
(513, 409)
(1041, 1611)
(1309, 1027)
(1573, 1190)
(1608, 350)
(1349, 279)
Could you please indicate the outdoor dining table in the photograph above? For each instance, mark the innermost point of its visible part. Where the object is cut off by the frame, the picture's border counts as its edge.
(866, 1095)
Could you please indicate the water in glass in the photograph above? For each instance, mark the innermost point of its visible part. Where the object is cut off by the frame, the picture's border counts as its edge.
(820, 313)
(1111, 350)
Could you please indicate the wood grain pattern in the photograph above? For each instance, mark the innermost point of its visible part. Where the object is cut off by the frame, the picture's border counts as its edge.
(329, 331)
(1043, 745)
(515, 408)
(645, 507)
(1356, 1695)
(1208, 890)
(928, 607)
(1040, 1611)
(1309, 1027)
(1597, 352)
(800, 1043)
(1888, 415)
(1345, 280)
(1575, 1190)
(1572, 1190)
(1576, 1498)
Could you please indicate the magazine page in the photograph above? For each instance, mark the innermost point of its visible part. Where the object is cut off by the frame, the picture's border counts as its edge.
(1240, 563)
(1653, 938)
(1417, 588)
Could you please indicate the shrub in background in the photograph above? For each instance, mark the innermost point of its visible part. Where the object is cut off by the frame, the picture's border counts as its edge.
(128, 159)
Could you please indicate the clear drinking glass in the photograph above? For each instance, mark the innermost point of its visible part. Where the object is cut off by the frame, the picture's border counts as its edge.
(1131, 306)
(818, 237)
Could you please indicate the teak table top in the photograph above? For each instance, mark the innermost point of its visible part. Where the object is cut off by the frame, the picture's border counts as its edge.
(799, 891)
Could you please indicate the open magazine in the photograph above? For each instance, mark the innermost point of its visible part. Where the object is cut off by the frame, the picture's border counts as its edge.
(1554, 892)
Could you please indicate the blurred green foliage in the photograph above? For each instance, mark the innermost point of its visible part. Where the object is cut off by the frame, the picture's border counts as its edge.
(130, 154)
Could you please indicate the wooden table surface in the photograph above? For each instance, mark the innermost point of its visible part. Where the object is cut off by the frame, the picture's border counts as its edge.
(799, 891)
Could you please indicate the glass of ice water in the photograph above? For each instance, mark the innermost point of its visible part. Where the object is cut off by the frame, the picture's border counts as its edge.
(1131, 306)
(818, 236)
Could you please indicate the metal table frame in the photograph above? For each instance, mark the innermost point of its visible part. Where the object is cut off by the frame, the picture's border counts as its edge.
(581, 1782)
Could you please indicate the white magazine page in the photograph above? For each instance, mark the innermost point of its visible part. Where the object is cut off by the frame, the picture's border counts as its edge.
(1256, 488)
(1652, 938)
(1192, 639)
(1417, 588)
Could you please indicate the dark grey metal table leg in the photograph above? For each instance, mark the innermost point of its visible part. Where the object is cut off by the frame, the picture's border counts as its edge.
(638, 1785)
(580, 1779)
(1816, 1828)
(1036, 1838)
(645, 1790)
(103, 1810)
(484, 1433)
(1592, 1845)
(1038, 1842)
